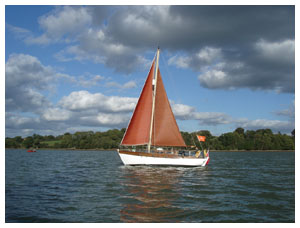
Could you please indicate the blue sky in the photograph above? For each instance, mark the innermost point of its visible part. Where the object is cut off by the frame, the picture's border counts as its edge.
(79, 68)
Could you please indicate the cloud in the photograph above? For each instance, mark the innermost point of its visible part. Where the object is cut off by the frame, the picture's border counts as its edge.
(82, 80)
(62, 23)
(56, 114)
(289, 112)
(192, 27)
(82, 100)
(282, 53)
(82, 108)
(18, 124)
(20, 33)
(119, 36)
(127, 85)
(28, 84)
(268, 66)
(95, 46)
(186, 112)
(228, 47)
(25, 79)
(90, 82)
(106, 119)
(24, 70)
(16, 121)
(274, 125)
(182, 111)
(198, 61)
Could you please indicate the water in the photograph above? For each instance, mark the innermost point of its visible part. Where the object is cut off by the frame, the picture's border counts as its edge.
(94, 186)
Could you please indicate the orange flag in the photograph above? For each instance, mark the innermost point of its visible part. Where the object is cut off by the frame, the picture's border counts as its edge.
(201, 138)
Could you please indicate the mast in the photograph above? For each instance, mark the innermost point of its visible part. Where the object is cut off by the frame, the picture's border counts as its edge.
(153, 100)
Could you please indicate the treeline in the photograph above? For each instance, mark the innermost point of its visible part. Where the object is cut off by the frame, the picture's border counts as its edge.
(262, 139)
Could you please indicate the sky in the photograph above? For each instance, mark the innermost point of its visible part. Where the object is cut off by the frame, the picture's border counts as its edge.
(82, 68)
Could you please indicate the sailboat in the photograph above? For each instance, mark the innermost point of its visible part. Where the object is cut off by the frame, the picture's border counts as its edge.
(152, 136)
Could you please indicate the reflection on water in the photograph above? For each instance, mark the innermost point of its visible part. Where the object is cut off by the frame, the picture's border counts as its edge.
(152, 192)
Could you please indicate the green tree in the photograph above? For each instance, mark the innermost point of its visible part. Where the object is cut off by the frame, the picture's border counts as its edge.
(28, 142)
(18, 140)
(10, 143)
(240, 131)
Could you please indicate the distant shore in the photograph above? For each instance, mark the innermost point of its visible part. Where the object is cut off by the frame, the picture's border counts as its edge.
(95, 149)
(252, 150)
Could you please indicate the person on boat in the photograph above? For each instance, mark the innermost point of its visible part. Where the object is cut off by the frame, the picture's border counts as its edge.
(197, 154)
(205, 153)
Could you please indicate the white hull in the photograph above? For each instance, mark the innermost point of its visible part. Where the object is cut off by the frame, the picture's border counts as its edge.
(129, 159)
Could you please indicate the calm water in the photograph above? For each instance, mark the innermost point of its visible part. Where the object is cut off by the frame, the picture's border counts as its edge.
(94, 186)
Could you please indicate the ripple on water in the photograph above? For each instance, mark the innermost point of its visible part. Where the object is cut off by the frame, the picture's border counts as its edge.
(93, 186)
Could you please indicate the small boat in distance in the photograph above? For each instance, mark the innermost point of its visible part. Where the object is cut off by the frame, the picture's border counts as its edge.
(31, 150)
(152, 136)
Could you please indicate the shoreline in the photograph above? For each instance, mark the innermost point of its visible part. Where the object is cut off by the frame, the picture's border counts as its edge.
(252, 151)
(96, 149)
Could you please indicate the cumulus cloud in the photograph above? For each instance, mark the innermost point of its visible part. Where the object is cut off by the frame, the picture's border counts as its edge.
(16, 121)
(120, 36)
(274, 125)
(127, 85)
(198, 61)
(90, 82)
(229, 47)
(56, 114)
(106, 119)
(82, 80)
(82, 100)
(85, 110)
(268, 66)
(95, 46)
(282, 53)
(28, 83)
(82, 108)
(62, 23)
(26, 70)
(186, 112)
(80, 25)
(25, 78)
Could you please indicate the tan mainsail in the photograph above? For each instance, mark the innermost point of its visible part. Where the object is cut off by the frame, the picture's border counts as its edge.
(165, 131)
(138, 130)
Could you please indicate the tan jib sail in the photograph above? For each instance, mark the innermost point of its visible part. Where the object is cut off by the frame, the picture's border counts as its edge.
(165, 131)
